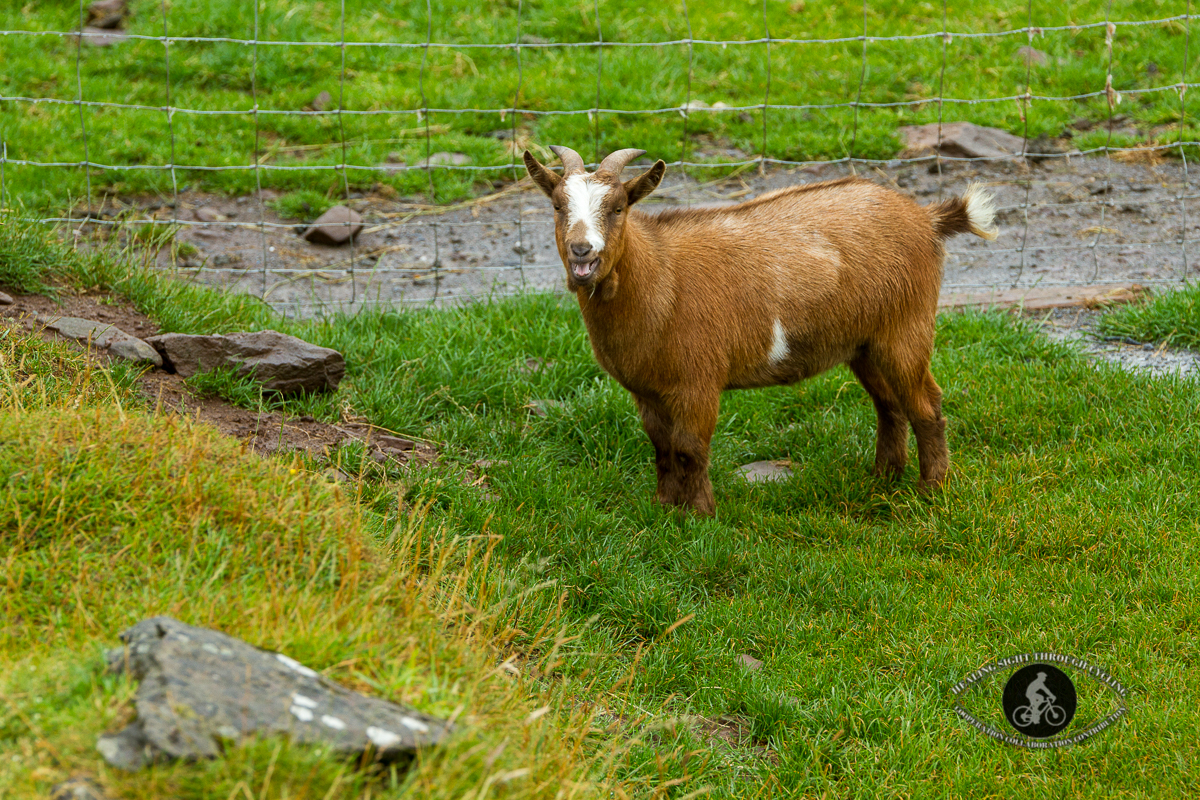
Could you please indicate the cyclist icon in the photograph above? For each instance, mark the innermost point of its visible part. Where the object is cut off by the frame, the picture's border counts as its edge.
(1041, 700)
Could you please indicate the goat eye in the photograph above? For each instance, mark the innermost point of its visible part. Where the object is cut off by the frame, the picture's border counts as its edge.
(618, 210)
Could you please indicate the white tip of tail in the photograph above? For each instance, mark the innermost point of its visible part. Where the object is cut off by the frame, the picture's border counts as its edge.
(981, 211)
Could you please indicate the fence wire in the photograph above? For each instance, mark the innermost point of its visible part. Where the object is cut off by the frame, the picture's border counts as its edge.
(364, 270)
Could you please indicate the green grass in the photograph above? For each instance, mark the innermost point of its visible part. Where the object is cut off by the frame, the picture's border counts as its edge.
(1171, 318)
(223, 76)
(1069, 523)
(109, 514)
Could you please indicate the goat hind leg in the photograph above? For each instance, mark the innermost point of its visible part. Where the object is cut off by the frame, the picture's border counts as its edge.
(891, 433)
(921, 399)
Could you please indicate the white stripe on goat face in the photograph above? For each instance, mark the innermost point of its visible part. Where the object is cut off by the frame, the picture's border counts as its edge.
(585, 197)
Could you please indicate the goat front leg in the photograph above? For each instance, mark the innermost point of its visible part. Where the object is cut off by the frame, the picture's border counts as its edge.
(694, 413)
(657, 424)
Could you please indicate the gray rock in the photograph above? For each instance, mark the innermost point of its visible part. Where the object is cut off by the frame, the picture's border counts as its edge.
(103, 335)
(750, 662)
(201, 688)
(760, 471)
(447, 159)
(77, 789)
(279, 362)
(394, 443)
(134, 349)
(321, 101)
(338, 225)
(206, 214)
(541, 408)
(5, 300)
(128, 748)
(106, 13)
(960, 140)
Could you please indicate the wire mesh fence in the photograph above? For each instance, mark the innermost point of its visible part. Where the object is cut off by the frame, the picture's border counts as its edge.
(1108, 204)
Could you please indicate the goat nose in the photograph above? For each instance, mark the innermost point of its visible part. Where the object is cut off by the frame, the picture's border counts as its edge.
(580, 250)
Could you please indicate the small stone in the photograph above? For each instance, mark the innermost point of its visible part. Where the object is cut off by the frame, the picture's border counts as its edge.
(395, 443)
(447, 159)
(720, 106)
(127, 749)
(694, 105)
(321, 101)
(760, 471)
(541, 408)
(207, 214)
(103, 335)
(134, 349)
(338, 225)
(960, 140)
(106, 13)
(750, 662)
(533, 366)
(487, 463)
(78, 789)
(5, 300)
(1030, 55)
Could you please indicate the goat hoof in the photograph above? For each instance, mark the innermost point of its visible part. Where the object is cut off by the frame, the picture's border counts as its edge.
(929, 485)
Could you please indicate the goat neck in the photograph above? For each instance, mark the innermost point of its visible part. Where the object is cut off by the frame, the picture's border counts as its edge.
(634, 301)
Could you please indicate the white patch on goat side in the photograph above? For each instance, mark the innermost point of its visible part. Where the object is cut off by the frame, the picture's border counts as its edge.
(584, 198)
(779, 345)
(981, 212)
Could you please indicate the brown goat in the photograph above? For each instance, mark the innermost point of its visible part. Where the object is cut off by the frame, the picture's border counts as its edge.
(683, 304)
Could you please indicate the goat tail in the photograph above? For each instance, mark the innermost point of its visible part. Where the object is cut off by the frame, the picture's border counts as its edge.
(974, 212)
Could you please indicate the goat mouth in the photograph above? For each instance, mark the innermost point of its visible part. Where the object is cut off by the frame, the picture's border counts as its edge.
(583, 270)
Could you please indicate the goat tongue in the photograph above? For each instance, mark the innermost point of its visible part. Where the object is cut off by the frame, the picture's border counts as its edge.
(583, 270)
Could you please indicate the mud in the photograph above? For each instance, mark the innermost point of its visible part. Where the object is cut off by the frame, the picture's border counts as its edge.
(1064, 220)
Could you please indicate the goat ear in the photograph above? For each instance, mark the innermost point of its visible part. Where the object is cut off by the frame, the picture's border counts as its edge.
(647, 182)
(546, 180)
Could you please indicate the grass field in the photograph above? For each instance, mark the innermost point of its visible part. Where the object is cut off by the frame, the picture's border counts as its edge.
(1069, 524)
(1172, 318)
(206, 76)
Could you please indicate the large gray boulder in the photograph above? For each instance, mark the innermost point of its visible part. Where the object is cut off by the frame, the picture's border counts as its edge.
(201, 689)
(281, 363)
(103, 335)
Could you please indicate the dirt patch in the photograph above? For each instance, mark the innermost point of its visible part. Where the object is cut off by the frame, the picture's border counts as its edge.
(1078, 326)
(732, 731)
(1070, 220)
(264, 432)
(98, 306)
(273, 433)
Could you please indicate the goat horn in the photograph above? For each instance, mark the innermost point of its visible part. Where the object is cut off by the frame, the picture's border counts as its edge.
(571, 160)
(615, 162)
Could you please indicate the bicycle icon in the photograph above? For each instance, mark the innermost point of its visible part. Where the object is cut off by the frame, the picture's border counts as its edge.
(1028, 716)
